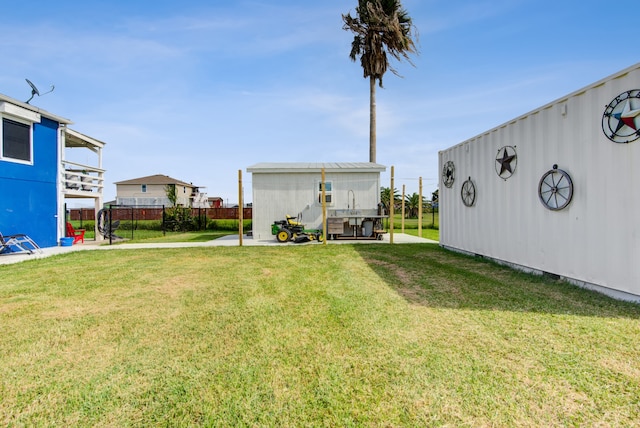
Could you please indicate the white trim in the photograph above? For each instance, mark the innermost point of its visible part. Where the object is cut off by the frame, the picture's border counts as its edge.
(22, 122)
(19, 112)
(82, 137)
(36, 110)
(61, 215)
(20, 115)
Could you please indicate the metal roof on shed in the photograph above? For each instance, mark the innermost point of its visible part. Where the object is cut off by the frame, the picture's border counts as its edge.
(290, 167)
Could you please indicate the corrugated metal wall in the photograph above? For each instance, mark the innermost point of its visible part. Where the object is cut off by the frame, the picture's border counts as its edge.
(277, 194)
(595, 238)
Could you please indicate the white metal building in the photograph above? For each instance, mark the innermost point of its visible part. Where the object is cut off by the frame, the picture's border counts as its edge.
(281, 189)
(556, 190)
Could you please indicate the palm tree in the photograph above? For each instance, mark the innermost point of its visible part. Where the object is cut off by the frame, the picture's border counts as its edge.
(385, 197)
(381, 28)
(413, 204)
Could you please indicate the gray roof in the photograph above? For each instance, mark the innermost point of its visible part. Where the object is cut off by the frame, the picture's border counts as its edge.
(280, 167)
(155, 179)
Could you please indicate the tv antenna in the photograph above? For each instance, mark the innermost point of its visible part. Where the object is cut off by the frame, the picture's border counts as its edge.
(35, 91)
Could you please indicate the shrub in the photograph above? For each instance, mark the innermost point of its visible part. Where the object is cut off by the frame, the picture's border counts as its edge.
(179, 219)
(227, 225)
(86, 224)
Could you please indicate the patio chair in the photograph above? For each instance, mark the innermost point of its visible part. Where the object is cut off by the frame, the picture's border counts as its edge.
(76, 234)
(16, 244)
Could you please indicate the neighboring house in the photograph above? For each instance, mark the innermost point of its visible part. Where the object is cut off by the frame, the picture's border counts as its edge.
(37, 173)
(555, 190)
(281, 189)
(215, 202)
(151, 191)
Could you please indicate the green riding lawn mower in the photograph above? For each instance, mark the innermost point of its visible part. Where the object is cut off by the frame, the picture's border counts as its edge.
(291, 229)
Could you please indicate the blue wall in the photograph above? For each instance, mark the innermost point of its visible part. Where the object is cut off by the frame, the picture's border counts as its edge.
(28, 193)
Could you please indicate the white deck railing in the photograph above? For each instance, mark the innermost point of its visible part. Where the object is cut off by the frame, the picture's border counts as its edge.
(200, 200)
(82, 180)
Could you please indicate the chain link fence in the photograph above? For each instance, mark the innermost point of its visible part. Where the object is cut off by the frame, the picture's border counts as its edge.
(136, 222)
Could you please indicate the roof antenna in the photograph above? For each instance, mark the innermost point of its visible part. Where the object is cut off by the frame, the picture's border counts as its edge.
(35, 91)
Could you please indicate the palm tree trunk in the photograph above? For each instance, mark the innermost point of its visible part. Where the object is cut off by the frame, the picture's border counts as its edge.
(372, 119)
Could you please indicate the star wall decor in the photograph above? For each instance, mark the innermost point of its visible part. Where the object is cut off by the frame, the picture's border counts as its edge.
(506, 161)
(621, 118)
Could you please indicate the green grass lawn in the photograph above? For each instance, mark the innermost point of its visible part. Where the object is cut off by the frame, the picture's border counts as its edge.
(428, 220)
(151, 236)
(430, 225)
(433, 234)
(309, 335)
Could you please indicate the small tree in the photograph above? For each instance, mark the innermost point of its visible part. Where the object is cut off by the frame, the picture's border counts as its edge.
(170, 190)
(177, 218)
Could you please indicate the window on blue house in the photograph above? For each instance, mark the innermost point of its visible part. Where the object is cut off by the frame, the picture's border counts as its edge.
(16, 141)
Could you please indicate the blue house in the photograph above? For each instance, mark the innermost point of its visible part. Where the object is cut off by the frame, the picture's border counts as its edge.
(39, 174)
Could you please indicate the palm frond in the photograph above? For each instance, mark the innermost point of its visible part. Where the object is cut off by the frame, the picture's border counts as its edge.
(381, 28)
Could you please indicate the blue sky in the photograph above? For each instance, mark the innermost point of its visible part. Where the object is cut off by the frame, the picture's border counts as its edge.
(199, 90)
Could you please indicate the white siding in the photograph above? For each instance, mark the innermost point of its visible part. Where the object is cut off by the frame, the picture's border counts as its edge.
(156, 195)
(294, 192)
(594, 240)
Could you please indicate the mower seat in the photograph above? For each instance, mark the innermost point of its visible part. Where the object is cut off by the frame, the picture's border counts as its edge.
(292, 222)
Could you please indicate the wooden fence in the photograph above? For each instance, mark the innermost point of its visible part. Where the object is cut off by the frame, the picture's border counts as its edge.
(138, 213)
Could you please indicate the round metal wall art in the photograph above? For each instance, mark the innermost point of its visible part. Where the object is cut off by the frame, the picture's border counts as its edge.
(468, 193)
(555, 189)
(448, 174)
(506, 161)
(621, 118)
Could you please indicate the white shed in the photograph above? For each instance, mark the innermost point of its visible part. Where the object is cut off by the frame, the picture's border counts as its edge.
(556, 190)
(281, 189)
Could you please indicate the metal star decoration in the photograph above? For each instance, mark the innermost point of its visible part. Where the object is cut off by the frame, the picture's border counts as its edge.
(627, 116)
(621, 118)
(507, 161)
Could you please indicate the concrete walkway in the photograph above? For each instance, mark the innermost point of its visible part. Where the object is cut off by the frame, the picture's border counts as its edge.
(225, 241)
